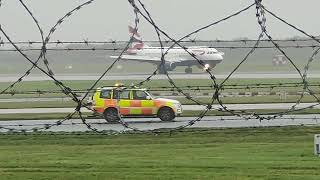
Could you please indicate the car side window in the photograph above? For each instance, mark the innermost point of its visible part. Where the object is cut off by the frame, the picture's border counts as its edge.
(139, 95)
(125, 94)
(105, 94)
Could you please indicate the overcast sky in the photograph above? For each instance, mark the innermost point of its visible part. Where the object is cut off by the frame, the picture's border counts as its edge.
(108, 19)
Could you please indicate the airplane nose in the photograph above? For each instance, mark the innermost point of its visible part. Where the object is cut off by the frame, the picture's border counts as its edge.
(220, 56)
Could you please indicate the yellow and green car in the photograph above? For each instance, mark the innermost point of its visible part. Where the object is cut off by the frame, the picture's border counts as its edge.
(112, 102)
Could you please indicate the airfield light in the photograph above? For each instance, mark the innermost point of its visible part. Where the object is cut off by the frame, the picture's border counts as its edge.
(317, 144)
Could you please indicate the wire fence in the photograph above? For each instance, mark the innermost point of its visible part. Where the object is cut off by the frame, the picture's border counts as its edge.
(166, 43)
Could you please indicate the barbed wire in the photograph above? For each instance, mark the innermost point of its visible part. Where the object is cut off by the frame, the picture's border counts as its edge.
(164, 38)
(114, 42)
(155, 48)
(183, 87)
(65, 89)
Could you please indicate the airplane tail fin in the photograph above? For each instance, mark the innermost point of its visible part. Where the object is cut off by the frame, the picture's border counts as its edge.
(137, 42)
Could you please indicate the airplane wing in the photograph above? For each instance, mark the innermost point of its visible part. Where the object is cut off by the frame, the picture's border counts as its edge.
(153, 60)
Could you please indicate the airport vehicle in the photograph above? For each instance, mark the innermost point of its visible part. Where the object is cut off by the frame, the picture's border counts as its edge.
(176, 56)
(115, 101)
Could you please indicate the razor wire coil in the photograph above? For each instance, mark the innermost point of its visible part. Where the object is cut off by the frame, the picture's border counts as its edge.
(141, 12)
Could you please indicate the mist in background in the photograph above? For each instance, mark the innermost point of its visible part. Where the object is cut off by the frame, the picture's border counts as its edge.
(108, 19)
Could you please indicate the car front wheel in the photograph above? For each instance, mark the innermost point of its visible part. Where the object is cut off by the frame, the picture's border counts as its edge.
(111, 115)
(166, 114)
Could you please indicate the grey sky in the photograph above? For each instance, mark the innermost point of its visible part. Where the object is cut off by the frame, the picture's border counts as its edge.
(106, 19)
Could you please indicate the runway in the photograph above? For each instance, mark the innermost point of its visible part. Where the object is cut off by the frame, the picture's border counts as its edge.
(154, 123)
(76, 125)
(115, 76)
(267, 106)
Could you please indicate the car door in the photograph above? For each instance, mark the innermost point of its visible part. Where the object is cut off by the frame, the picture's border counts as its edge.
(123, 100)
(141, 103)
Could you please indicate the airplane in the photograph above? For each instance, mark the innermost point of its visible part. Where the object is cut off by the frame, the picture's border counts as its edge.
(176, 56)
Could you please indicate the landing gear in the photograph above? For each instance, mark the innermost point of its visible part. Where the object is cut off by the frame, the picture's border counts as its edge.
(161, 70)
(188, 70)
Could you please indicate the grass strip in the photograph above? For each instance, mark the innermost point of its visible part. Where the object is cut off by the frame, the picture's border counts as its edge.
(248, 153)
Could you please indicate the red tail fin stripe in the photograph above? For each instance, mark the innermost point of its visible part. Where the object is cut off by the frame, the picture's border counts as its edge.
(133, 31)
(131, 51)
(137, 46)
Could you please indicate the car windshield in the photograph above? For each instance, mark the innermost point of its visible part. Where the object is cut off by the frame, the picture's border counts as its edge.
(150, 95)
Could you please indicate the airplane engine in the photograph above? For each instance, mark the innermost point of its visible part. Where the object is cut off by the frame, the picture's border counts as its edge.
(167, 66)
(170, 66)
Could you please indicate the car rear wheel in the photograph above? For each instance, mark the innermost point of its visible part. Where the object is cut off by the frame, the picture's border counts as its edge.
(111, 115)
(166, 114)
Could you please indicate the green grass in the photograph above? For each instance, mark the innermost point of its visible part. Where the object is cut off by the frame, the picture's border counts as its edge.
(155, 84)
(183, 100)
(40, 104)
(49, 85)
(250, 99)
(268, 153)
(42, 116)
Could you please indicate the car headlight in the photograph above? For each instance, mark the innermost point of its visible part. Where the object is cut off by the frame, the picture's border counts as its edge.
(178, 106)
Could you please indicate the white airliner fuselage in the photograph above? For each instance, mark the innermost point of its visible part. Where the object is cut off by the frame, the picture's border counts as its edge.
(202, 56)
(209, 57)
